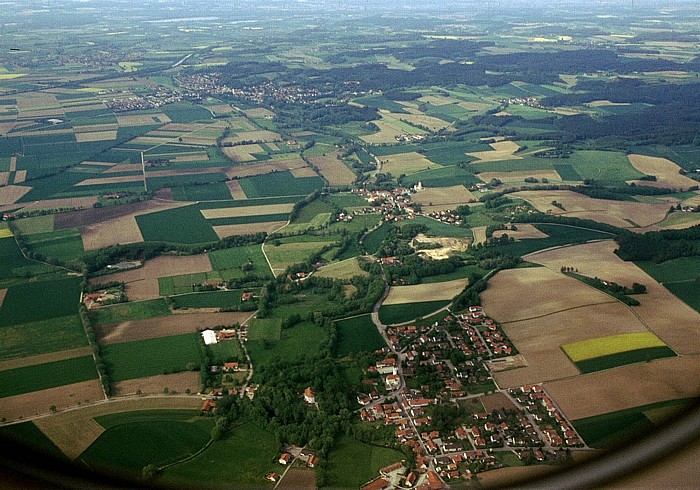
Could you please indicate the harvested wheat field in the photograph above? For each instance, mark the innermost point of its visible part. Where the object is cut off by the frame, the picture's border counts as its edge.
(112, 232)
(165, 326)
(521, 294)
(474, 106)
(333, 170)
(122, 179)
(438, 291)
(124, 167)
(96, 127)
(442, 198)
(142, 120)
(520, 176)
(303, 172)
(153, 385)
(142, 283)
(236, 190)
(539, 340)
(259, 112)
(406, 163)
(345, 269)
(479, 234)
(627, 386)
(40, 402)
(502, 150)
(421, 120)
(269, 227)
(264, 167)
(674, 322)
(388, 133)
(20, 176)
(624, 214)
(3, 293)
(69, 202)
(75, 431)
(242, 153)
(10, 194)
(4, 178)
(247, 211)
(96, 136)
(524, 231)
(43, 358)
(666, 172)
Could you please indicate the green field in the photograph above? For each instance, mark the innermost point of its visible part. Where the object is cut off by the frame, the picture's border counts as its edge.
(139, 359)
(279, 184)
(130, 311)
(41, 300)
(438, 228)
(442, 177)
(558, 235)
(228, 262)
(610, 429)
(353, 463)
(36, 224)
(680, 276)
(374, 239)
(29, 435)
(183, 283)
(202, 192)
(226, 351)
(29, 339)
(215, 299)
(566, 171)
(301, 340)
(260, 218)
(14, 265)
(347, 200)
(623, 358)
(357, 334)
(390, 314)
(48, 375)
(64, 244)
(248, 451)
(184, 112)
(687, 291)
(172, 435)
(165, 226)
(286, 254)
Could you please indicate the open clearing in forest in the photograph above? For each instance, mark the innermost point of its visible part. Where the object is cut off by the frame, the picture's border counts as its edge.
(524, 231)
(674, 322)
(40, 402)
(269, 227)
(406, 163)
(627, 386)
(666, 172)
(73, 432)
(153, 385)
(441, 198)
(520, 294)
(142, 283)
(247, 211)
(617, 213)
(165, 326)
(333, 170)
(437, 291)
(502, 150)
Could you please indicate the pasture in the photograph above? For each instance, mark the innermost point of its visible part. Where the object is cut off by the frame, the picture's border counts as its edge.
(48, 375)
(300, 340)
(358, 334)
(252, 453)
(286, 254)
(163, 226)
(30, 339)
(215, 299)
(138, 310)
(229, 262)
(139, 359)
(405, 312)
(345, 269)
(352, 463)
(172, 436)
(182, 382)
(374, 239)
(185, 283)
(13, 265)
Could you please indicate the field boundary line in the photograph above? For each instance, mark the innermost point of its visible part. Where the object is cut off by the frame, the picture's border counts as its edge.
(559, 311)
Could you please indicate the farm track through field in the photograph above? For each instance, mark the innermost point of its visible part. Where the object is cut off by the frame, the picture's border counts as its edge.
(44, 358)
(537, 317)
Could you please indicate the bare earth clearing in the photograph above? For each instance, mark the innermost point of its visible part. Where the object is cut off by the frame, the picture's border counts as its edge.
(152, 385)
(627, 386)
(425, 292)
(142, 283)
(624, 214)
(669, 318)
(74, 431)
(496, 402)
(40, 402)
(165, 326)
(448, 246)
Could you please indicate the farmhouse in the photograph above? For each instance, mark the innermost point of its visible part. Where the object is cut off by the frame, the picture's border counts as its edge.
(285, 459)
(208, 406)
(231, 367)
(309, 396)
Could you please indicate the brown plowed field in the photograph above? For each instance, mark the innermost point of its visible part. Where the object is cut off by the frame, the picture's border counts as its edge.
(74, 431)
(298, 479)
(627, 386)
(71, 202)
(236, 190)
(519, 294)
(40, 402)
(10, 194)
(142, 283)
(176, 383)
(496, 401)
(165, 326)
(93, 216)
(43, 358)
(112, 232)
(674, 322)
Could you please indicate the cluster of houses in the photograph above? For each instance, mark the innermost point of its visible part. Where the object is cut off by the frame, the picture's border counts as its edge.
(484, 334)
(104, 297)
(447, 216)
(557, 430)
(522, 101)
(410, 137)
(394, 205)
(291, 454)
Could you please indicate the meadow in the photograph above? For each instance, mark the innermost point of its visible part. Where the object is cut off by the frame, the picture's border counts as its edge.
(301, 340)
(279, 184)
(215, 299)
(64, 245)
(139, 310)
(250, 453)
(13, 265)
(374, 239)
(202, 192)
(53, 335)
(358, 334)
(139, 359)
(353, 463)
(172, 436)
(228, 262)
(21, 304)
(48, 375)
(164, 226)
(184, 283)
(400, 313)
